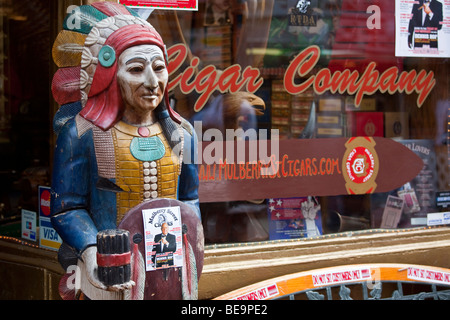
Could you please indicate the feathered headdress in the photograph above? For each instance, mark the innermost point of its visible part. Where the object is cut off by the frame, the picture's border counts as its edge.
(86, 51)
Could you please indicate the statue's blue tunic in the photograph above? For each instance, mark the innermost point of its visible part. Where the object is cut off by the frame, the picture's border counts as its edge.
(80, 205)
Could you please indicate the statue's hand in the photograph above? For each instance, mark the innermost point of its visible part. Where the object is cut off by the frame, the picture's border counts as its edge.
(89, 257)
(122, 286)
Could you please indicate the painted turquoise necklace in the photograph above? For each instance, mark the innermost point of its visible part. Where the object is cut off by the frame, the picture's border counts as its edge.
(145, 148)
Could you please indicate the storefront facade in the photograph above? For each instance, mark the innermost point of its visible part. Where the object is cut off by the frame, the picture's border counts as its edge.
(322, 126)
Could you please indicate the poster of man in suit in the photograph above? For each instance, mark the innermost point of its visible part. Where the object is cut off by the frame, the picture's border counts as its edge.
(163, 246)
(422, 28)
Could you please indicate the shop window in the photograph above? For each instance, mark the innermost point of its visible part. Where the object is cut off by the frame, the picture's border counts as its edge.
(25, 43)
(342, 36)
(306, 75)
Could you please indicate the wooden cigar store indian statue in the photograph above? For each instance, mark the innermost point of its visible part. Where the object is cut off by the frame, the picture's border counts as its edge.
(123, 163)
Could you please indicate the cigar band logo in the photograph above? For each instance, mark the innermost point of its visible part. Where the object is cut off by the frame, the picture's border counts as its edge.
(360, 165)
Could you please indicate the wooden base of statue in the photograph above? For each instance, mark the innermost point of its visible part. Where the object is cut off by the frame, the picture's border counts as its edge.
(165, 284)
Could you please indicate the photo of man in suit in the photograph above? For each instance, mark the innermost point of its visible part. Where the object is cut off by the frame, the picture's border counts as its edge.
(165, 241)
(426, 19)
(165, 245)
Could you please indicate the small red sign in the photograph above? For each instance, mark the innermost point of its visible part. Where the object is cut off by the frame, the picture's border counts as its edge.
(162, 4)
(44, 201)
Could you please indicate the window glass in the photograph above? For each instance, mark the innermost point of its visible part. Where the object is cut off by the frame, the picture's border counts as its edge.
(25, 47)
(295, 79)
(300, 52)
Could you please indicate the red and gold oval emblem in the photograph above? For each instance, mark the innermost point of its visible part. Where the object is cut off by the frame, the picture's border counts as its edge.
(360, 165)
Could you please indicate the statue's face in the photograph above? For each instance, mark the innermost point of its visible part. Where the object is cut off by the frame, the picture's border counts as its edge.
(142, 76)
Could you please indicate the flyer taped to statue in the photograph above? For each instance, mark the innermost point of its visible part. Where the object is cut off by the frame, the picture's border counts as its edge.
(163, 247)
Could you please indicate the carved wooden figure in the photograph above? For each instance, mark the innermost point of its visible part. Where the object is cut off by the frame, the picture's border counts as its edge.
(120, 149)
